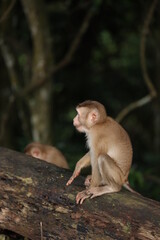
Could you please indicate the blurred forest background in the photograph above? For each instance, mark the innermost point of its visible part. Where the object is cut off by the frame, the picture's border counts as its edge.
(55, 54)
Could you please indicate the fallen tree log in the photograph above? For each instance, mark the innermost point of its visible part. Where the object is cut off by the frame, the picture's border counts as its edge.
(35, 203)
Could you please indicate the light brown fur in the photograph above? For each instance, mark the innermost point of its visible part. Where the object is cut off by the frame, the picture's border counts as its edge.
(47, 153)
(110, 151)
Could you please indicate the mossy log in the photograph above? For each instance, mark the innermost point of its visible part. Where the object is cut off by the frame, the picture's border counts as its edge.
(35, 203)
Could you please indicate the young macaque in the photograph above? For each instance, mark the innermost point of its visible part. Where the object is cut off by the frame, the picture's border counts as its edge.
(47, 153)
(110, 152)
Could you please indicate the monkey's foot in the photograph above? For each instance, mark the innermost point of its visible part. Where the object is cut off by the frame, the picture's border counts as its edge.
(81, 196)
(90, 193)
(93, 192)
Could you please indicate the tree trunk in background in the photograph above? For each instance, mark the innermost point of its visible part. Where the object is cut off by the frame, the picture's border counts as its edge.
(40, 103)
(40, 107)
(35, 202)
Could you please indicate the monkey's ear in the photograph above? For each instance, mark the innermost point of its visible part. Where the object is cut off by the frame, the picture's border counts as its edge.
(36, 152)
(94, 116)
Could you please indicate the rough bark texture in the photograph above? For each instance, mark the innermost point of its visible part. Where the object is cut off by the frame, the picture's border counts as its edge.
(33, 193)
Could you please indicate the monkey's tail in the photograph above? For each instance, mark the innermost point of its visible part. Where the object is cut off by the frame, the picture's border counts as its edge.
(128, 187)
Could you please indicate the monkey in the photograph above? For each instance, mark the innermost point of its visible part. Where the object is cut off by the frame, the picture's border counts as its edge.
(110, 152)
(47, 153)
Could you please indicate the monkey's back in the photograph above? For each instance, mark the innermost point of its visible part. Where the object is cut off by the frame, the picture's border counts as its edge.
(112, 139)
(56, 157)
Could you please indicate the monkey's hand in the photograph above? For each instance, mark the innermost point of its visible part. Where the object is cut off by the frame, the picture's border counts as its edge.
(87, 182)
(75, 174)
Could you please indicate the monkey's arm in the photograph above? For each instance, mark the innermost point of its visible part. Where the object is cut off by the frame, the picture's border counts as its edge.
(83, 162)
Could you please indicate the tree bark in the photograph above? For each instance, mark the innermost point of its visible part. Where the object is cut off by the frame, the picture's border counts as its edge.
(35, 203)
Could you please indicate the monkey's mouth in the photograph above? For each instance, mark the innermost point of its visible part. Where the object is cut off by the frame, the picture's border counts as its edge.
(76, 125)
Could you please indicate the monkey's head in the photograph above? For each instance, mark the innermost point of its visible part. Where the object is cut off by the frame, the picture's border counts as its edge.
(34, 150)
(89, 113)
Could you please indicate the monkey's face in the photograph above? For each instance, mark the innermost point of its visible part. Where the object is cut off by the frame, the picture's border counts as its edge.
(80, 120)
(84, 119)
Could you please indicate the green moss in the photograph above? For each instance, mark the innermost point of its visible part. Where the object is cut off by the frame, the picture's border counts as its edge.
(127, 228)
(27, 181)
(61, 209)
(71, 197)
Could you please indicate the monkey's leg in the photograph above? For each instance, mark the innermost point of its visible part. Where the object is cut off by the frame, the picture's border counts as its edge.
(114, 173)
(112, 177)
(111, 180)
(110, 172)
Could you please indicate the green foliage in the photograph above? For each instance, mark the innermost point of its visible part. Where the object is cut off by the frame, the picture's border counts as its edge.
(107, 43)
(128, 54)
(136, 178)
